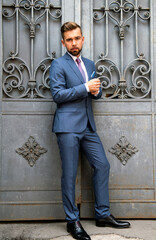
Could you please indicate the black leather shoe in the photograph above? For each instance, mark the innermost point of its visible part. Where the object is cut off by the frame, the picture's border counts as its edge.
(111, 221)
(77, 231)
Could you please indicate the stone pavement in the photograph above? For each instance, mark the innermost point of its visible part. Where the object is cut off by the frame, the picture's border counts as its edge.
(140, 230)
(100, 237)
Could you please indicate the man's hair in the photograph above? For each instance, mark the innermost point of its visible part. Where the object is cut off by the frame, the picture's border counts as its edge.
(68, 26)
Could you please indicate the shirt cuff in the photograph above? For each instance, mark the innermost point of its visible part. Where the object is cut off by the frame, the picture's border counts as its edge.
(87, 88)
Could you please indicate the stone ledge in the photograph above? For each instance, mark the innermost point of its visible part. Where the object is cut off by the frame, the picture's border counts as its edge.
(100, 237)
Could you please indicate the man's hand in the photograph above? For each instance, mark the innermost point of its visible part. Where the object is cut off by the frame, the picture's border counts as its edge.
(94, 86)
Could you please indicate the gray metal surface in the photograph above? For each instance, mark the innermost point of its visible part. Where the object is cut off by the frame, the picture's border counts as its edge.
(30, 166)
(122, 37)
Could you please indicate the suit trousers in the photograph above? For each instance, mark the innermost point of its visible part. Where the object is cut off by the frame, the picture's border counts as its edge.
(90, 143)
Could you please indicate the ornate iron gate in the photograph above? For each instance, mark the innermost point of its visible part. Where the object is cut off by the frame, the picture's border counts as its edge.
(119, 36)
(31, 168)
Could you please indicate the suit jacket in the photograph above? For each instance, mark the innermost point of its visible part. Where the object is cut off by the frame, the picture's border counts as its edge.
(74, 103)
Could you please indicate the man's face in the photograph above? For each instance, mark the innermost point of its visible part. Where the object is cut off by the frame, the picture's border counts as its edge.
(73, 41)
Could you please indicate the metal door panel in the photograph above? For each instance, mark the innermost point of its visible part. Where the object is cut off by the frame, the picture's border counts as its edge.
(31, 167)
(122, 46)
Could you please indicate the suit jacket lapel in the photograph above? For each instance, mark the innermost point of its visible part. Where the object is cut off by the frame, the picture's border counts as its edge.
(73, 66)
(88, 68)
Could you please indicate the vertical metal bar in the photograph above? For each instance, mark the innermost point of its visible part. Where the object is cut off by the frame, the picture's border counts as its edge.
(77, 11)
(17, 28)
(152, 50)
(63, 20)
(136, 28)
(91, 31)
(87, 27)
(47, 27)
(122, 46)
(152, 2)
(1, 61)
(32, 44)
(106, 32)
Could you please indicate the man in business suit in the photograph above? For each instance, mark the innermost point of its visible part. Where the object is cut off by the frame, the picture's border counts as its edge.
(73, 86)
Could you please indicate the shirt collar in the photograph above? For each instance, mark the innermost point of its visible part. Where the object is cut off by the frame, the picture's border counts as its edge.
(74, 57)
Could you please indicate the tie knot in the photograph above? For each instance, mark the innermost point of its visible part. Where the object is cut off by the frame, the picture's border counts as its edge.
(78, 60)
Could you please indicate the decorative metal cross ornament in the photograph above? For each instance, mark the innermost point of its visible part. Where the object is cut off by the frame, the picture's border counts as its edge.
(31, 151)
(123, 150)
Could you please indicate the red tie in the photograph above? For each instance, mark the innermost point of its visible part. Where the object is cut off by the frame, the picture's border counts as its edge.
(78, 60)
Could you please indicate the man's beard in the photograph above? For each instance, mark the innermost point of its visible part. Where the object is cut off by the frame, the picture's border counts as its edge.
(75, 52)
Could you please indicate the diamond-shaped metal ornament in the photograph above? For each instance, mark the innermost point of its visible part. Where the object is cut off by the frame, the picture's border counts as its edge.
(123, 150)
(31, 151)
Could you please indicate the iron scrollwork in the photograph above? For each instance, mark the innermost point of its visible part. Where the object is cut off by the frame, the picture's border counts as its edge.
(16, 69)
(139, 84)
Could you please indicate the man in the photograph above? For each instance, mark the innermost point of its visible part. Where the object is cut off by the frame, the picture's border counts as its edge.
(73, 86)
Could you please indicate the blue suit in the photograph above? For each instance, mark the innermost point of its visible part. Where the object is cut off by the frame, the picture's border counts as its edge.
(75, 128)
